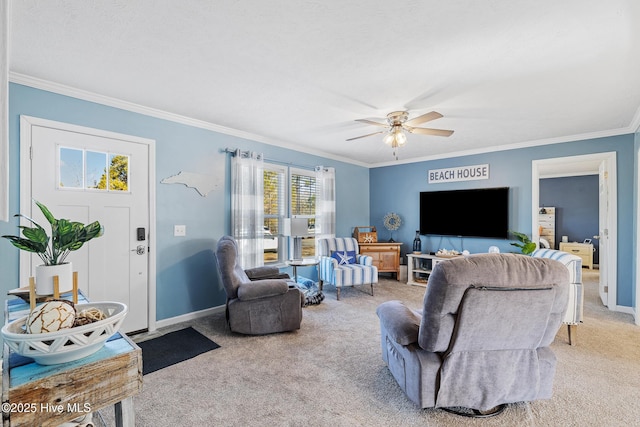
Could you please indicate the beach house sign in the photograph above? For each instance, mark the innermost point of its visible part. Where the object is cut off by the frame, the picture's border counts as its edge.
(462, 173)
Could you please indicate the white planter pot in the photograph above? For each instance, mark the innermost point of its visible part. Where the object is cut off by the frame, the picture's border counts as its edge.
(44, 278)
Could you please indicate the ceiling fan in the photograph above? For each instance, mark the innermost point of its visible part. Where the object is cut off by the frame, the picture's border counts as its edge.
(397, 124)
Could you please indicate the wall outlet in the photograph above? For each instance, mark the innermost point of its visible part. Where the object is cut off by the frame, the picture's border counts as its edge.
(179, 230)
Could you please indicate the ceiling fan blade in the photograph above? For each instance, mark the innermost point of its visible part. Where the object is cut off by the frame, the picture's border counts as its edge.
(371, 122)
(364, 136)
(423, 118)
(427, 131)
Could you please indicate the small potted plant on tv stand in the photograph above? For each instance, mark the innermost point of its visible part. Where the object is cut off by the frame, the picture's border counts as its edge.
(525, 244)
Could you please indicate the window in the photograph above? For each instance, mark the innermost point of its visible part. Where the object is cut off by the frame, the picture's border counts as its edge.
(302, 187)
(274, 213)
(288, 192)
(92, 170)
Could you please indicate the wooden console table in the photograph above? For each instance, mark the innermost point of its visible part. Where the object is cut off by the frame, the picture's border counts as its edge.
(39, 395)
(386, 256)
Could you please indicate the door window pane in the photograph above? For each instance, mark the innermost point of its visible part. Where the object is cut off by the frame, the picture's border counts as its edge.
(119, 172)
(96, 170)
(71, 171)
(92, 170)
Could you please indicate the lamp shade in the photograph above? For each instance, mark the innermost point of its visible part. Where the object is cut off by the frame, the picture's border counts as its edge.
(299, 227)
(295, 227)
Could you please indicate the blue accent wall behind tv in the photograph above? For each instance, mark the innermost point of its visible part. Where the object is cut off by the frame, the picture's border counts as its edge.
(396, 188)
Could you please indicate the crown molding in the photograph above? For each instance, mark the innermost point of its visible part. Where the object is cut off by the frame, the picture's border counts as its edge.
(61, 89)
(516, 146)
(84, 95)
(635, 123)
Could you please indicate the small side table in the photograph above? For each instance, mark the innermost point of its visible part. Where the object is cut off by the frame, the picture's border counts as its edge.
(34, 394)
(305, 262)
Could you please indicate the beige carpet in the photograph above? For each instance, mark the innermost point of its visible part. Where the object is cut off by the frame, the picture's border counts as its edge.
(330, 373)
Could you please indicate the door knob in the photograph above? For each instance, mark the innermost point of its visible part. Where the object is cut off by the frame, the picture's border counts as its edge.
(140, 250)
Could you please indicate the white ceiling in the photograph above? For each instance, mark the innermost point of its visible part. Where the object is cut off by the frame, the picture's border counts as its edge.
(298, 73)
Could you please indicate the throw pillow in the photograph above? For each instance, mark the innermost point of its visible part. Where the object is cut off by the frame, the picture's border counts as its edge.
(344, 257)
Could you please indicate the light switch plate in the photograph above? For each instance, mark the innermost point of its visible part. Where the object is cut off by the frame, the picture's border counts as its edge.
(179, 230)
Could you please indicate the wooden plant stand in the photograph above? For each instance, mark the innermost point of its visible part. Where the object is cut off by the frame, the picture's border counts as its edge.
(56, 290)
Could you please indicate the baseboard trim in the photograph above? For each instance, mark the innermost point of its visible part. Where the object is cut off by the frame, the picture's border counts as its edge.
(189, 316)
(624, 309)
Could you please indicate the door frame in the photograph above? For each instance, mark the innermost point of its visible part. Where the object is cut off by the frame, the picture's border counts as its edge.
(26, 125)
(587, 164)
(636, 309)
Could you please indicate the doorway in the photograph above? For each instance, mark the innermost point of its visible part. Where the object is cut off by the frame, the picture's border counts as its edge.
(603, 165)
(85, 175)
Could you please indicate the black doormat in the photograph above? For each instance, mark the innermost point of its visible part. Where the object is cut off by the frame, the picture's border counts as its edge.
(172, 348)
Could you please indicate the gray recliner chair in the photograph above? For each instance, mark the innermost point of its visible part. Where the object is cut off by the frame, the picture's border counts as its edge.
(482, 338)
(259, 300)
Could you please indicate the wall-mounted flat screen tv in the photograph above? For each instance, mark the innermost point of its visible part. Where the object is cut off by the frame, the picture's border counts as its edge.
(466, 213)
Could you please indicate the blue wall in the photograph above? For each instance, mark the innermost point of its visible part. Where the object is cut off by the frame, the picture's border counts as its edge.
(187, 280)
(576, 201)
(397, 189)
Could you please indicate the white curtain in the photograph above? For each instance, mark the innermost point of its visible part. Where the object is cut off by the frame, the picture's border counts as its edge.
(325, 202)
(4, 110)
(247, 207)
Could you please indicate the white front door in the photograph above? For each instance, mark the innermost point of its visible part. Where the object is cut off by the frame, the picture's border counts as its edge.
(88, 175)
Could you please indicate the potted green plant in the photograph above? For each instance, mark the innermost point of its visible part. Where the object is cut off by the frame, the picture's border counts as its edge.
(525, 244)
(66, 236)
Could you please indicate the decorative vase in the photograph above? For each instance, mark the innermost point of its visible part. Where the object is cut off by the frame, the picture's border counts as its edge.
(417, 243)
(45, 274)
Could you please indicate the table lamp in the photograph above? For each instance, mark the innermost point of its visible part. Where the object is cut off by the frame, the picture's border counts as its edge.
(296, 228)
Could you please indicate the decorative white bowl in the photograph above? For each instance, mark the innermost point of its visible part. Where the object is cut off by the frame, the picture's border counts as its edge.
(69, 344)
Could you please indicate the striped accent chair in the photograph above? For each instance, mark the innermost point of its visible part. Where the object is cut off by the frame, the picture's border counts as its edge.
(576, 292)
(361, 272)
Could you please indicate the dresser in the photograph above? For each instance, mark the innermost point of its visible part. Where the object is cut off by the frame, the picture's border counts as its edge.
(547, 224)
(386, 256)
(583, 250)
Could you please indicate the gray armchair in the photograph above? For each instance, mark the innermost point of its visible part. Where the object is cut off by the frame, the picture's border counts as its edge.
(260, 306)
(482, 338)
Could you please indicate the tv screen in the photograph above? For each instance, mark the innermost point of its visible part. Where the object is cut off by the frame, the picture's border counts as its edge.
(466, 213)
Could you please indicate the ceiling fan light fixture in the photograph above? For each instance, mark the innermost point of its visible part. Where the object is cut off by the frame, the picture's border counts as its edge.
(400, 136)
(389, 139)
(398, 124)
(396, 137)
